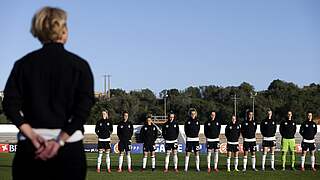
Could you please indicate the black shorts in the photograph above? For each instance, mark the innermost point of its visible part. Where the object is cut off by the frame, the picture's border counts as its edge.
(124, 146)
(192, 146)
(308, 146)
(232, 147)
(104, 145)
(149, 147)
(171, 146)
(213, 145)
(268, 143)
(250, 146)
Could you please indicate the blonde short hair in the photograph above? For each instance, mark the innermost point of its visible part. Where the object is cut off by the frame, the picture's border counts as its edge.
(191, 110)
(49, 24)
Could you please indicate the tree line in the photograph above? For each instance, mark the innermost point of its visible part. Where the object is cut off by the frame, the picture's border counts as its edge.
(280, 97)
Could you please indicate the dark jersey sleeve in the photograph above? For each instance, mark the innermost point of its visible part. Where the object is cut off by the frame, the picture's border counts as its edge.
(131, 129)
(142, 132)
(227, 131)
(177, 129)
(206, 127)
(118, 131)
(262, 128)
(295, 127)
(242, 128)
(97, 128)
(84, 100)
(111, 128)
(186, 128)
(155, 133)
(274, 128)
(12, 101)
(164, 131)
(198, 127)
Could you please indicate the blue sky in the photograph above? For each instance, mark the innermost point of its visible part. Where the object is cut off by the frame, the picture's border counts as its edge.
(178, 43)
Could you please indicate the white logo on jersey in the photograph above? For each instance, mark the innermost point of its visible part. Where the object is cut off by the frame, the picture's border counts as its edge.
(100, 124)
(209, 124)
(272, 122)
(294, 123)
(217, 124)
(175, 126)
(254, 124)
(285, 123)
(265, 123)
(145, 128)
(197, 123)
(108, 124)
(246, 124)
(129, 126)
(121, 126)
(314, 125)
(230, 127)
(167, 126)
(154, 128)
(189, 122)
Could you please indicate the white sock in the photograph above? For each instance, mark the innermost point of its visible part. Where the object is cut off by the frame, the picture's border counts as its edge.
(153, 162)
(228, 163)
(216, 159)
(120, 161)
(99, 160)
(197, 162)
(167, 159)
(175, 161)
(253, 161)
(245, 161)
(209, 159)
(186, 163)
(264, 157)
(144, 162)
(108, 160)
(129, 160)
(272, 160)
(313, 160)
(236, 162)
(303, 158)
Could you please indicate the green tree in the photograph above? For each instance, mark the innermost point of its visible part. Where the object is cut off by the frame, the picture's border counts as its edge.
(281, 96)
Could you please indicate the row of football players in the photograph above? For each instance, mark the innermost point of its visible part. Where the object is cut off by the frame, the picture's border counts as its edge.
(212, 127)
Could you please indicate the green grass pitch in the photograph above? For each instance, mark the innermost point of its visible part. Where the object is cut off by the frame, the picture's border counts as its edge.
(6, 159)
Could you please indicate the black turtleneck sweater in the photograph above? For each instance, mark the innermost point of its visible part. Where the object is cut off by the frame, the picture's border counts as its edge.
(50, 88)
